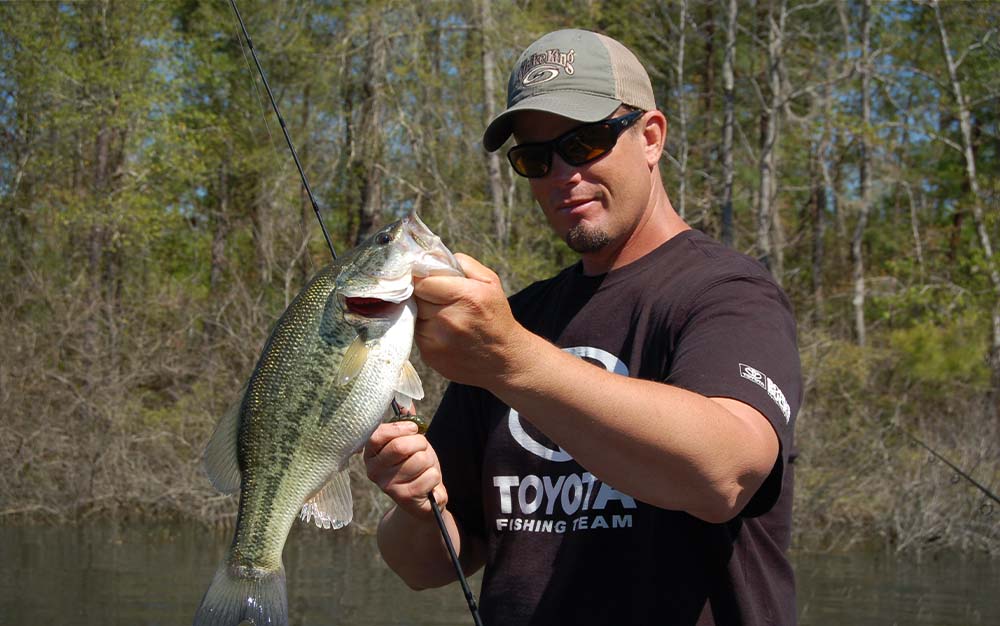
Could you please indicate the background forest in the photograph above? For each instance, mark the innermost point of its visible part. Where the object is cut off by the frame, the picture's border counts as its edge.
(152, 225)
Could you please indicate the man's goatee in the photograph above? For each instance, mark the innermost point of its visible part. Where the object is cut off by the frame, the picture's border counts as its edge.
(582, 239)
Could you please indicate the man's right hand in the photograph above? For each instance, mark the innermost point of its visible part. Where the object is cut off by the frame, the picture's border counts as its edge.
(404, 466)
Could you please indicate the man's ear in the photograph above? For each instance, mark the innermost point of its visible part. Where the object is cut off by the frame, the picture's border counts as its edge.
(654, 135)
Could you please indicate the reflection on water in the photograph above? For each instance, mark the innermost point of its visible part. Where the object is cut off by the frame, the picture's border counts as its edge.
(156, 576)
(865, 589)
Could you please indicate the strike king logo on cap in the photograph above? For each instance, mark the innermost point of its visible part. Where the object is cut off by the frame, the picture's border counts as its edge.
(544, 66)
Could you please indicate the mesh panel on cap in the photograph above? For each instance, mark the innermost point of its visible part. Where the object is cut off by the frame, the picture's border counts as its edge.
(632, 84)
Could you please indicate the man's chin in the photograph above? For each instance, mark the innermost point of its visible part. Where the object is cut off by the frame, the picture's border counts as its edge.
(584, 240)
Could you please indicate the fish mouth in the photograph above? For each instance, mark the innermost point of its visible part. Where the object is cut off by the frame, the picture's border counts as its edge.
(372, 308)
(435, 257)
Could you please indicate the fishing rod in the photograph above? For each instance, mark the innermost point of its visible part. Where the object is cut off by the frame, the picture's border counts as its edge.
(951, 465)
(469, 597)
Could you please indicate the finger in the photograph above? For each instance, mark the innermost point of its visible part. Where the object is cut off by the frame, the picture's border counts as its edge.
(408, 471)
(440, 495)
(386, 433)
(417, 489)
(440, 290)
(427, 310)
(399, 450)
(475, 270)
(448, 289)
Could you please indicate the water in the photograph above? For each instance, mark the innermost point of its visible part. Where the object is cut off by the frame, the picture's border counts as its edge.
(138, 576)
(882, 589)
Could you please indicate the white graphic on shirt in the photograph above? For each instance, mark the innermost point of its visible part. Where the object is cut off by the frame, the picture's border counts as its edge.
(610, 362)
(755, 375)
(560, 503)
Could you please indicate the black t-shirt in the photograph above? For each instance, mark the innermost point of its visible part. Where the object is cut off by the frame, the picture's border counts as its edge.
(565, 548)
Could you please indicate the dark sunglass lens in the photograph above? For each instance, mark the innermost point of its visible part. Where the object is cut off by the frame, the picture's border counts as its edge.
(530, 161)
(587, 144)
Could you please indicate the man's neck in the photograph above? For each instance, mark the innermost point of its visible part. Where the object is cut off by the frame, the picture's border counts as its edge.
(658, 224)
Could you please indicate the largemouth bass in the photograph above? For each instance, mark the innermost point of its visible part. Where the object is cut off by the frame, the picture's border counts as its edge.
(326, 376)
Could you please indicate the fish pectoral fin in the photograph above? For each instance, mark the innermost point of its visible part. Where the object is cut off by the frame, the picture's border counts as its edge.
(408, 385)
(354, 359)
(220, 459)
(332, 506)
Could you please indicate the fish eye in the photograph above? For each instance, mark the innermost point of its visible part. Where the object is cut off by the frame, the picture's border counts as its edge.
(382, 238)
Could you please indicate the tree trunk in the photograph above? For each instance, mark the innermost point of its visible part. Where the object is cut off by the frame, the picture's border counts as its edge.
(965, 125)
(864, 175)
(369, 166)
(500, 228)
(682, 152)
(769, 138)
(220, 230)
(306, 215)
(728, 86)
(817, 203)
(263, 233)
(915, 229)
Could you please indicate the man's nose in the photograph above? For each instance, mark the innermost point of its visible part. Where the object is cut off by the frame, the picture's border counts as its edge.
(563, 171)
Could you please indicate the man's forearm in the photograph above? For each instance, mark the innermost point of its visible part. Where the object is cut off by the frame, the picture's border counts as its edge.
(415, 550)
(666, 446)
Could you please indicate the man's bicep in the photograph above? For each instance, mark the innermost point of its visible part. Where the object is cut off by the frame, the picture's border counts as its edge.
(763, 445)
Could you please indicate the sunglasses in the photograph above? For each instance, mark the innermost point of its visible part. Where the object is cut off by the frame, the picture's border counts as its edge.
(581, 145)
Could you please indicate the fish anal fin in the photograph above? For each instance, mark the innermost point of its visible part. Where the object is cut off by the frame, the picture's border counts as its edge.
(220, 458)
(354, 359)
(332, 506)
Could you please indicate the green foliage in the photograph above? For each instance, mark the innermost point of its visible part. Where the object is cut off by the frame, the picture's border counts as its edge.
(945, 356)
(152, 225)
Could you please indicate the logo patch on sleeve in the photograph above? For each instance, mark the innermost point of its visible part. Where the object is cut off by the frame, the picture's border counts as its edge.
(755, 375)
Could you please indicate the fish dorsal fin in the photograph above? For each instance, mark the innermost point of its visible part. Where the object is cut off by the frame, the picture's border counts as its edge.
(332, 506)
(409, 386)
(354, 359)
(220, 459)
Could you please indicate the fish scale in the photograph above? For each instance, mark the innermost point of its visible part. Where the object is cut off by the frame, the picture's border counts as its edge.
(262, 541)
(323, 382)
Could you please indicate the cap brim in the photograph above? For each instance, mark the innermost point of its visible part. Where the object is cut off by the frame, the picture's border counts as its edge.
(581, 107)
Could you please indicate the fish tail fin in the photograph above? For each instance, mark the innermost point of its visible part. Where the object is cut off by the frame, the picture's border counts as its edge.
(236, 595)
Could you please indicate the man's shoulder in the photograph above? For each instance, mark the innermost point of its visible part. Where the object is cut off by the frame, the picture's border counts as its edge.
(711, 257)
(690, 263)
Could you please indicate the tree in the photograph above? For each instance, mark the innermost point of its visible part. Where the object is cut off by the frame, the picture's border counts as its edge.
(977, 196)
(864, 177)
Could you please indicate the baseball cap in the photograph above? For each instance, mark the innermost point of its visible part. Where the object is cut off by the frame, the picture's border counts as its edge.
(578, 74)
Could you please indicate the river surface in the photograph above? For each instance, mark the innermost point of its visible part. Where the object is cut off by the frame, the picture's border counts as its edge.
(140, 576)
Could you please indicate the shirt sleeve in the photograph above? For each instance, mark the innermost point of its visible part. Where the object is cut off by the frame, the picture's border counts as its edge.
(738, 341)
(457, 436)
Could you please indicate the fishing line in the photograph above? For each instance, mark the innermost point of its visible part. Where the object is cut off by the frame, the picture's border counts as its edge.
(395, 406)
(256, 89)
(284, 130)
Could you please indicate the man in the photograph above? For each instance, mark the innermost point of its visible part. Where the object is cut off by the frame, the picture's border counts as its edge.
(615, 446)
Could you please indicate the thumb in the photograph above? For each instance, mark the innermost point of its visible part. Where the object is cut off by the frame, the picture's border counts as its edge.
(475, 270)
